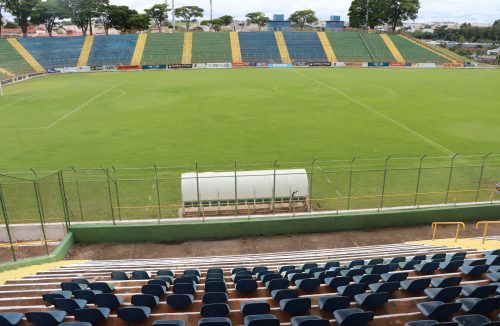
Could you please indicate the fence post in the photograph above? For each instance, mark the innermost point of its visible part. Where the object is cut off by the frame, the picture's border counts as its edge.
(350, 184)
(40, 210)
(383, 182)
(77, 182)
(110, 197)
(63, 199)
(449, 178)
(311, 186)
(274, 186)
(158, 193)
(481, 175)
(236, 186)
(115, 181)
(418, 179)
(6, 221)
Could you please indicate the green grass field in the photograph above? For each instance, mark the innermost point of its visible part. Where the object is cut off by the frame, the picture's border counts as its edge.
(138, 119)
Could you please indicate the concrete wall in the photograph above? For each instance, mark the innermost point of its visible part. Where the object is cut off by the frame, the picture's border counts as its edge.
(213, 230)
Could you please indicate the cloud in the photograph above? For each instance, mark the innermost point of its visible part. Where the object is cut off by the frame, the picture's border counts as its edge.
(431, 10)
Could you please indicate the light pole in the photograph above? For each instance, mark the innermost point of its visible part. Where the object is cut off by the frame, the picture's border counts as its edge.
(211, 12)
(173, 14)
(367, 13)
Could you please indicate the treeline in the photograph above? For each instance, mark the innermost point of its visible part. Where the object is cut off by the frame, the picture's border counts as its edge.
(466, 33)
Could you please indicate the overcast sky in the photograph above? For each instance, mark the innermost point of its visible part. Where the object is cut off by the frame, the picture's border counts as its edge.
(485, 11)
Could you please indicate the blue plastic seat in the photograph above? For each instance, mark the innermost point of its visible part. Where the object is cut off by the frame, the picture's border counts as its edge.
(394, 277)
(315, 270)
(308, 284)
(50, 297)
(261, 320)
(154, 289)
(478, 291)
(184, 280)
(474, 270)
(215, 270)
(166, 278)
(295, 306)
(180, 301)
(438, 310)
(92, 315)
(294, 277)
(271, 276)
(169, 322)
(353, 263)
(493, 260)
(436, 256)
(352, 289)
(10, 318)
(140, 275)
(246, 286)
(495, 277)
(374, 261)
(248, 308)
(161, 282)
(214, 310)
(81, 281)
(416, 285)
(258, 269)
(352, 272)
(240, 277)
(165, 272)
(417, 258)
(443, 294)
(236, 270)
(46, 318)
(184, 288)
(108, 300)
(450, 266)
(119, 276)
(306, 266)
(72, 286)
(474, 320)
(444, 282)
(335, 282)
(456, 256)
(277, 284)
(321, 276)
(367, 278)
(474, 262)
(215, 297)
(87, 295)
(372, 300)
(104, 287)
(426, 267)
(69, 305)
(353, 317)
(285, 268)
(480, 306)
(408, 265)
(378, 269)
(145, 300)
(494, 269)
(279, 295)
(309, 321)
(331, 303)
(389, 287)
(215, 321)
(331, 264)
(395, 260)
(134, 315)
(192, 272)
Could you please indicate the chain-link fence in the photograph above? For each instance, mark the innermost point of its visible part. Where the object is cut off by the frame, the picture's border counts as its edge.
(151, 194)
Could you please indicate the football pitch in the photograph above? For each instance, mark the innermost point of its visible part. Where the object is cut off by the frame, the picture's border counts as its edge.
(258, 116)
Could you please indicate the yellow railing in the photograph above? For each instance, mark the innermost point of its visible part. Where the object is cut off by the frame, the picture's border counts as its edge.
(486, 224)
(458, 224)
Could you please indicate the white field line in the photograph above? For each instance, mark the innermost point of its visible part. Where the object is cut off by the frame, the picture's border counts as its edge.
(86, 103)
(369, 108)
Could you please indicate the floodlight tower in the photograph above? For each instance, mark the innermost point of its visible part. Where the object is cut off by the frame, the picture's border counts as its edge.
(211, 12)
(173, 13)
(367, 14)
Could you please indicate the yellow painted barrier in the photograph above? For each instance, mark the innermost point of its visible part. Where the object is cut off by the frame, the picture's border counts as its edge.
(486, 224)
(139, 49)
(280, 41)
(187, 52)
(85, 53)
(235, 47)
(458, 224)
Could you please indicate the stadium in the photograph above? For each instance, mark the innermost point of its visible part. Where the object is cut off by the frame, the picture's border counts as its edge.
(287, 173)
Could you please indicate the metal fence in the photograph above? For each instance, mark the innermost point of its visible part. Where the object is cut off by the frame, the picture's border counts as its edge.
(154, 194)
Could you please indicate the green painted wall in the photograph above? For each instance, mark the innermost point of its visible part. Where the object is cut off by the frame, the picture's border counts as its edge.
(224, 229)
(59, 253)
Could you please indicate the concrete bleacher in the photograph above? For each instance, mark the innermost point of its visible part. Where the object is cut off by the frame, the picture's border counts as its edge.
(304, 47)
(163, 49)
(11, 61)
(211, 47)
(55, 52)
(415, 53)
(349, 47)
(377, 47)
(25, 295)
(259, 47)
(112, 50)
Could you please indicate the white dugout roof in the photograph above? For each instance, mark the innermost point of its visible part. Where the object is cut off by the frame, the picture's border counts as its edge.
(216, 186)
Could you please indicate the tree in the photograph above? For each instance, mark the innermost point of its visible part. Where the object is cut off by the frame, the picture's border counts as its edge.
(398, 11)
(217, 23)
(303, 17)
(22, 10)
(357, 13)
(187, 13)
(139, 22)
(105, 18)
(83, 11)
(257, 18)
(1, 16)
(49, 13)
(159, 14)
